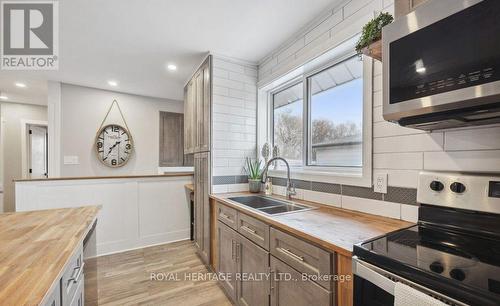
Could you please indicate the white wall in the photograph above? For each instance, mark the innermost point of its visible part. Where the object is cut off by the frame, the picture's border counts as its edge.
(136, 212)
(83, 110)
(401, 152)
(234, 119)
(14, 115)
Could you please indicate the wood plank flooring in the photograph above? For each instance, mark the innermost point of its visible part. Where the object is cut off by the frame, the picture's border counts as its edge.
(125, 278)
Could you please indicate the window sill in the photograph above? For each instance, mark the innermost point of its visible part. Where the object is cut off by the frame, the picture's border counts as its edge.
(344, 176)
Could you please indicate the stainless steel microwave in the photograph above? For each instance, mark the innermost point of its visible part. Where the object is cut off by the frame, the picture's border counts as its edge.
(441, 65)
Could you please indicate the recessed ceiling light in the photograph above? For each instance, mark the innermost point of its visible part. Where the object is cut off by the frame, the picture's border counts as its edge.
(3, 97)
(172, 67)
(112, 83)
(20, 85)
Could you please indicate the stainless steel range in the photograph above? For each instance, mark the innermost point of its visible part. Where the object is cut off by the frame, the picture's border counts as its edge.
(452, 254)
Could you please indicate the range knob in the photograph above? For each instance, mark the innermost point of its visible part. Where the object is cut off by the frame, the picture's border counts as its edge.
(436, 267)
(457, 274)
(436, 186)
(457, 187)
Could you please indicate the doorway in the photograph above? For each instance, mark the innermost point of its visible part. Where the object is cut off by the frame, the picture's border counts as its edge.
(38, 155)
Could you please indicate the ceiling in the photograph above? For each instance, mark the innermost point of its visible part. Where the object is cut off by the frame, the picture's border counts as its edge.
(133, 41)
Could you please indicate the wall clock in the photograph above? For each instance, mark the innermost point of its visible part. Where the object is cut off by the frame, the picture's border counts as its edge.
(114, 145)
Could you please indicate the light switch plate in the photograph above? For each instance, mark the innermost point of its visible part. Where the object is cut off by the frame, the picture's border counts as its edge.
(380, 184)
(71, 160)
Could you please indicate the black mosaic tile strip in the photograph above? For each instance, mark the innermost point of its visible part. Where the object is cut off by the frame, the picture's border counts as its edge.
(278, 181)
(401, 195)
(326, 187)
(300, 184)
(223, 180)
(361, 192)
(241, 179)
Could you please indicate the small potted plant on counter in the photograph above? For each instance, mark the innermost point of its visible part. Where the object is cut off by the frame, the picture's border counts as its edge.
(370, 42)
(254, 173)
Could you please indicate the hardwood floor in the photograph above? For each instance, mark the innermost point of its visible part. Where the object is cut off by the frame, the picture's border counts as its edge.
(125, 278)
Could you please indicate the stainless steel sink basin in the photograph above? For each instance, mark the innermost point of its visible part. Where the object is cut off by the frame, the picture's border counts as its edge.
(269, 205)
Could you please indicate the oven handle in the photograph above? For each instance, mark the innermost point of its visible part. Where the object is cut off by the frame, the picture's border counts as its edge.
(361, 270)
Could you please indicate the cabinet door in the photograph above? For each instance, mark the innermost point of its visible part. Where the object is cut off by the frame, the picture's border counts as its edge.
(198, 109)
(190, 117)
(252, 261)
(286, 292)
(204, 186)
(204, 109)
(226, 239)
(198, 202)
(171, 125)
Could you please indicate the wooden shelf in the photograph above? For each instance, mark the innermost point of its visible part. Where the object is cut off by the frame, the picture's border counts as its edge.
(374, 50)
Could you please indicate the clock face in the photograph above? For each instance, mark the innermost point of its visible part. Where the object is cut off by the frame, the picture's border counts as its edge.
(114, 145)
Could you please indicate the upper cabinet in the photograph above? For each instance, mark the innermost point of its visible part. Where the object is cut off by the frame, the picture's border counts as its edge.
(403, 7)
(197, 103)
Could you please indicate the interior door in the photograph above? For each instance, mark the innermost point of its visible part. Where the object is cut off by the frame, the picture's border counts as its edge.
(38, 152)
(252, 260)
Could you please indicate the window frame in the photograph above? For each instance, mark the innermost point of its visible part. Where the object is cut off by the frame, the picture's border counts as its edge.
(358, 176)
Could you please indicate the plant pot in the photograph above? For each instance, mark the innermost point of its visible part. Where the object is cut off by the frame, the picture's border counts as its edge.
(374, 50)
(254, 186)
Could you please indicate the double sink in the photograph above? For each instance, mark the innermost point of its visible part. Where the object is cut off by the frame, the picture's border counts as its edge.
(269, 205)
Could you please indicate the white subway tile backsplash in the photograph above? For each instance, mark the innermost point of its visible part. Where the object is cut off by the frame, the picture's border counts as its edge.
(219, 63)
(374, 207)
(386, 128)
(409, 213)
(402, 178)
(323, 198)
(471, 161)
(407, 161)
(221, 91)
(473, 139)
(377, 99)
(217, 81)
(220, 73)
(377, 114)
(292, 49)
(409, 143)
(324, 27)
(237, 188)
(241, 77)
(377, 83)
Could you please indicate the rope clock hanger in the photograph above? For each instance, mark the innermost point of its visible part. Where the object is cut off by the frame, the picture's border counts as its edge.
(113, 142)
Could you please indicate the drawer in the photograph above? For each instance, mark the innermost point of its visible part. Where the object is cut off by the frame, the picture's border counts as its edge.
(303, 256)
(226, 215)
(255, 230)
(71, 276)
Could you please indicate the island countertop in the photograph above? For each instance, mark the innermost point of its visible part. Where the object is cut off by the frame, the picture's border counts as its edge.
(35, 246)
(335, 229)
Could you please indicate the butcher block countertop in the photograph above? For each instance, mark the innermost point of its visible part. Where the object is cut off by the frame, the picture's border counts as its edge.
(34, 249)
(334, 229)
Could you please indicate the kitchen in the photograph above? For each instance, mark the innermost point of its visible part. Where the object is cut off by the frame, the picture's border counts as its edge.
(337, 153)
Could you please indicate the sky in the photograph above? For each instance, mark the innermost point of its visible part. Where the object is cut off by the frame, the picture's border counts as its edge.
(340, 104)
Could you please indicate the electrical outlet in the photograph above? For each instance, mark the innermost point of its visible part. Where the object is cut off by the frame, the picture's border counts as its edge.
(380, 184)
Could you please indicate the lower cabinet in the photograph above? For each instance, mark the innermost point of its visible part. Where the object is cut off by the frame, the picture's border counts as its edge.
(252, 287)
(288, 288)
(226, 238)
(202, 205)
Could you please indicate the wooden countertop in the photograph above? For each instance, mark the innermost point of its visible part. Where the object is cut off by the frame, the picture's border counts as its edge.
(35, 247)
(189, 187)
(334, 229)
(74, 178)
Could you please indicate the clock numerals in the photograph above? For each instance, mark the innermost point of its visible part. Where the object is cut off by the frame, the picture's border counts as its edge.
(113, 145)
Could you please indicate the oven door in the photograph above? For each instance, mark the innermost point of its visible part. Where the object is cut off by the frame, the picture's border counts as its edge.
(374, 286)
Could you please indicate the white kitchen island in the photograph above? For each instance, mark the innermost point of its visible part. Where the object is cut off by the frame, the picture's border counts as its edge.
(137, 211)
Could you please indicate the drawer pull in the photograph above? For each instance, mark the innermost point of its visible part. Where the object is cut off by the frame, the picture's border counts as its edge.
(224, 216)
(76, 278)
(291, 254)
(247, 229)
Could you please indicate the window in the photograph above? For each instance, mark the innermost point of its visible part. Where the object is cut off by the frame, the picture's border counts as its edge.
(320, 119)
(336, 115)
(288, 108)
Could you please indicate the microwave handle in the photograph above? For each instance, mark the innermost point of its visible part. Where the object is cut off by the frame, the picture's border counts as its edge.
(373, 277)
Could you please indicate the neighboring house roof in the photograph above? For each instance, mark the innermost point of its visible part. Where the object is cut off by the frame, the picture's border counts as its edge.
(350, 140)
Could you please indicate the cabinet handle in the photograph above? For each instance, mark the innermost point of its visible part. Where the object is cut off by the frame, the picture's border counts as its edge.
(76, 278)
(271, 275)
(232, 249)
(238, 249)
(291, 254)
(224, 216)
(247, 229)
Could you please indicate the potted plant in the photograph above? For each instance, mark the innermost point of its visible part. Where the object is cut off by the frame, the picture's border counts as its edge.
(254, 173)
(370, 42)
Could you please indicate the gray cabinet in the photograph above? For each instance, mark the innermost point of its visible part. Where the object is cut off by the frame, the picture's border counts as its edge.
(171, 139)
(252, 261)
(286, 292)
(54, 297)
(202, 205)
(226, 239)
(197, 109)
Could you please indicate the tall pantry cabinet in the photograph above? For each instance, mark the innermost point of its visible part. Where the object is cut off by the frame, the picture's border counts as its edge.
(197, 116)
